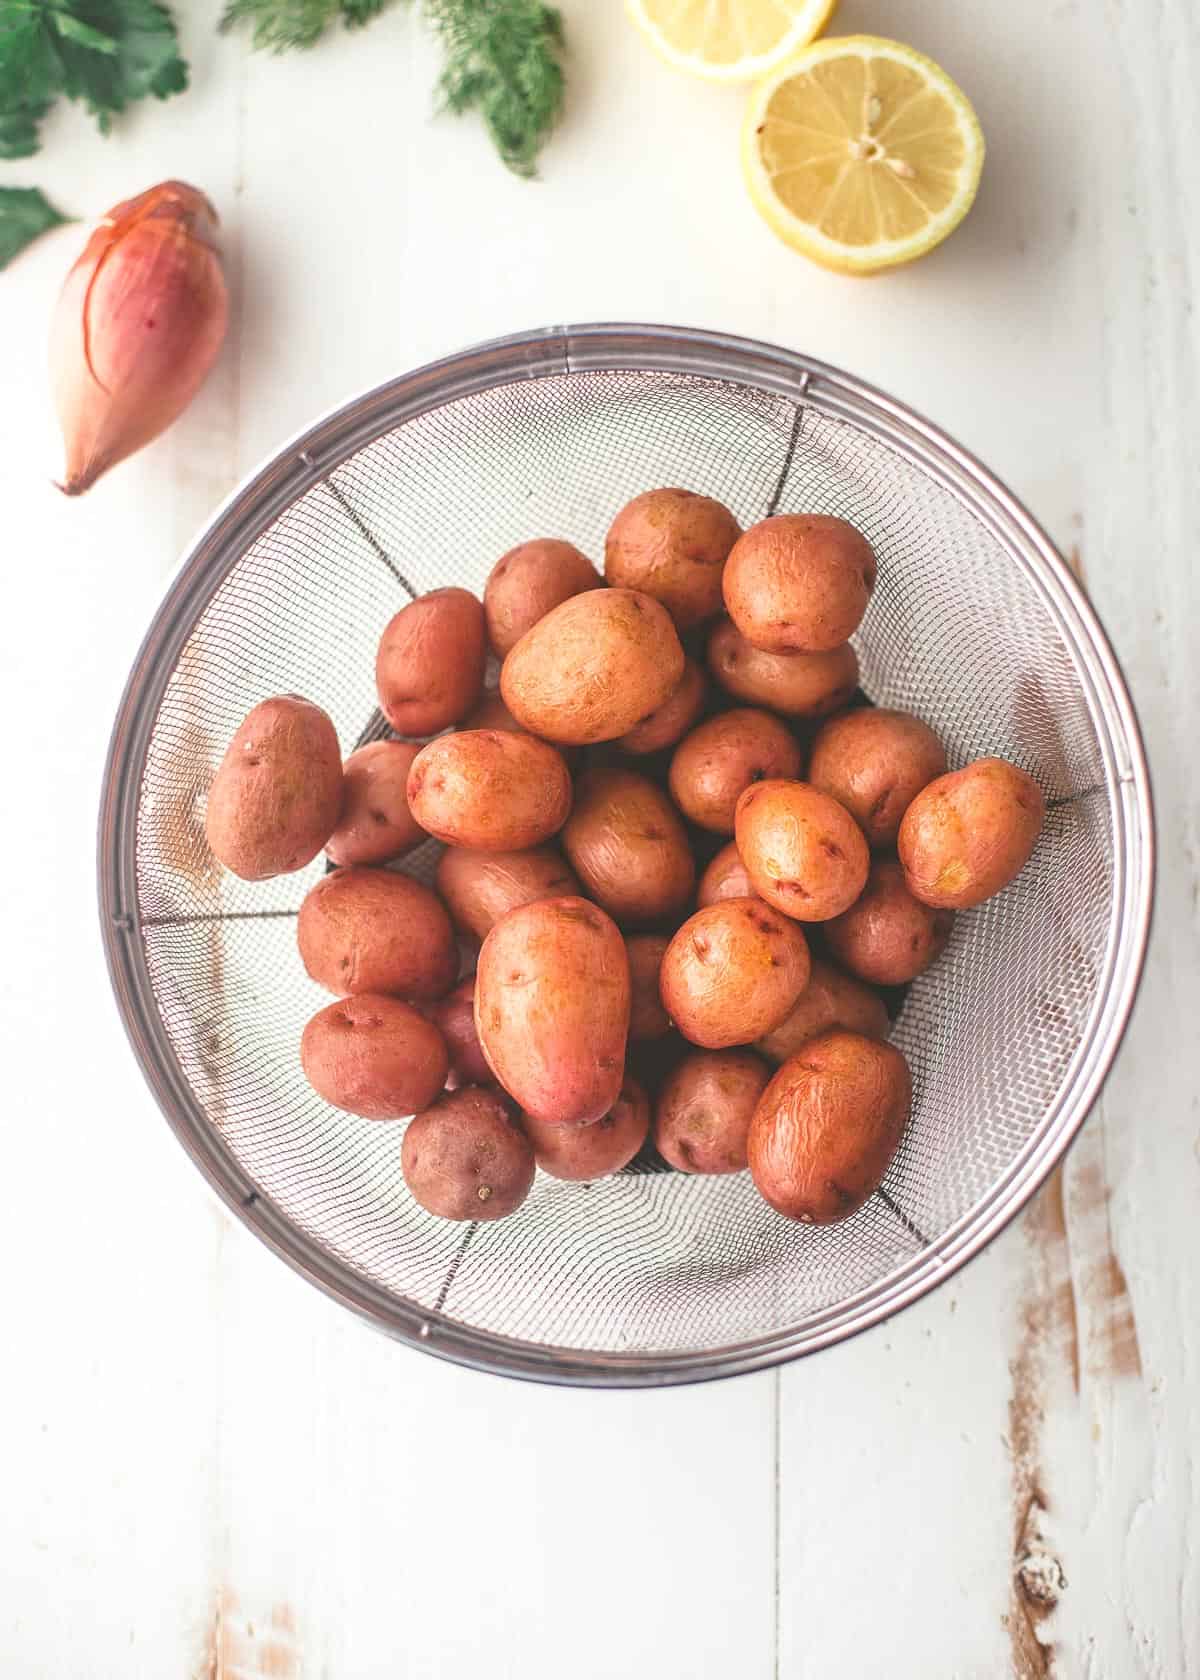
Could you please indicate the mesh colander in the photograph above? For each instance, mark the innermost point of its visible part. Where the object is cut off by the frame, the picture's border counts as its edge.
(649, 1277)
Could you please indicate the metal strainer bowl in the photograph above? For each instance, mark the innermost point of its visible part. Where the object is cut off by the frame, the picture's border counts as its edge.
(976, 624)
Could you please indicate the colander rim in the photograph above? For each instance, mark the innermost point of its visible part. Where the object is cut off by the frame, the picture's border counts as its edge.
(620, 347)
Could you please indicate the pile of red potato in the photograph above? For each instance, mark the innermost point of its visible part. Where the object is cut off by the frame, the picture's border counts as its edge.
(642, 851)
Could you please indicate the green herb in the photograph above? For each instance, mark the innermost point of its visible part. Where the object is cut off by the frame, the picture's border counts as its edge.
(105, 53)
(280, 24)
(24, 214)
(503, 57)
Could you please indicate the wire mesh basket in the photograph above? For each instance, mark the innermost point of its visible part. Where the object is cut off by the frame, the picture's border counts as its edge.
(976, 624)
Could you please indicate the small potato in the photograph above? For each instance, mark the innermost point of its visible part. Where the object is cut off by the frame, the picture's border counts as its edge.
(803, 851)
(800, 685)
(672, 544)
(887, 936)
(593, 667)
(376, 823)
(725, 877)
(799, 582)
(552, 1009)
(582, 1153)
(372, 930)
(466, 1157)
(375, 1056)
(277, 793)
(647, 1017)
(527, 582)
(429, 668)
(732, 972)
(968, 834)
(875, 763)
(704, 1110)
(454, 1017)
(490, 790)
(831, 999)
(628, 847)
(827, 1126)
(480, 887)
(672, 720)
(714, 765)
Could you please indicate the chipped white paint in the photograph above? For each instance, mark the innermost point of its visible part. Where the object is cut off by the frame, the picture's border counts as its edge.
(208, 1470)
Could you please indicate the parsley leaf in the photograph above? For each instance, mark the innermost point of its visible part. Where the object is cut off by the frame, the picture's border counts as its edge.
(280, 24)
(24, 213)
(103, 53)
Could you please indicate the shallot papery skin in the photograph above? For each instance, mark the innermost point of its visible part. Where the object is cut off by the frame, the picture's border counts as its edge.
(137, 327)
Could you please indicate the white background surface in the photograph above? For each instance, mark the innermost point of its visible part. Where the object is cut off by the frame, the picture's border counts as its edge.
(207, 1469)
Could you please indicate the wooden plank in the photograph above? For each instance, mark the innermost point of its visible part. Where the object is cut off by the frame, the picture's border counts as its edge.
(412, 1519)
(1086, 247)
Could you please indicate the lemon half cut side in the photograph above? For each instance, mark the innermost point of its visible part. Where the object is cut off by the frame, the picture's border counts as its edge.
(861, 153)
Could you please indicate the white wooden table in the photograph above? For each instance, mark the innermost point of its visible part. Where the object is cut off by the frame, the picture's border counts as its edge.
(208, 1469)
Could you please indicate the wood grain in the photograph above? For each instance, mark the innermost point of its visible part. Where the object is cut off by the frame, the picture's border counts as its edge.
(209, 1470)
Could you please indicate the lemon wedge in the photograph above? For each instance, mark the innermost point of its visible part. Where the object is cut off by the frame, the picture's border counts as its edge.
(861, 153)
(729, 40)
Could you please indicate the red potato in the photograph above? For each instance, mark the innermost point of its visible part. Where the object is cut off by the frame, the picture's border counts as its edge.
(593, 667)
(799, 582)
(725, 877)
(454, 1017)
(583, 1153)
(715, 764)
(887, 936)
(491, 790)
(376, 824)
(968, 834)
(373, 930)
(374, 1056)
(628, 847)
(466, 1157)
(527, 582)
(672, 544)
(732, 972)
(647, 1017)
(831, 999)
(429, 668)
(552, 1009)
(800, 685)
(875, 763)
(277, 793)
(827, 1126)
(670, 721)
(803, 851)
(702, 1118)
(480, 887)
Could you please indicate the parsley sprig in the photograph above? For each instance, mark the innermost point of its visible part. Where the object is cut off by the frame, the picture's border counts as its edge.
(103, 53)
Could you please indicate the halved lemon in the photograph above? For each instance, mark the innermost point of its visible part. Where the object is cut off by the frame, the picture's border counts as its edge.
(729, 40)
(861, 153)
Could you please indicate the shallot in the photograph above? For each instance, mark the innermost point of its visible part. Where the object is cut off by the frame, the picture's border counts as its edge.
(138, 325)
